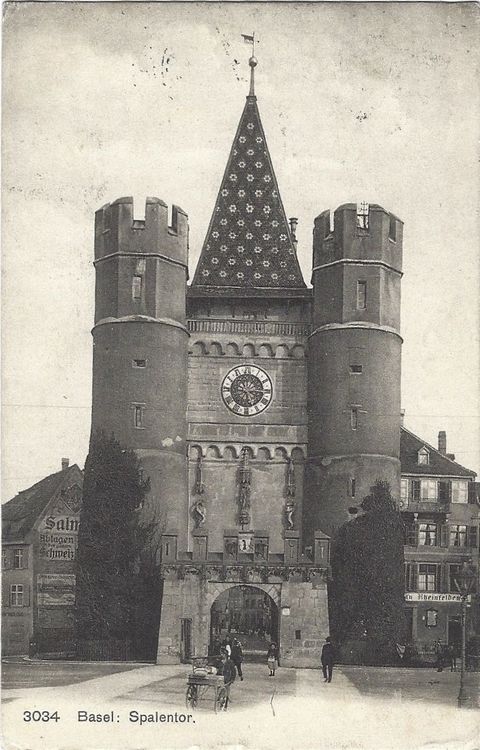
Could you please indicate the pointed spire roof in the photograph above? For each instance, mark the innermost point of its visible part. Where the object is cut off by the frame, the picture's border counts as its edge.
(249, 244)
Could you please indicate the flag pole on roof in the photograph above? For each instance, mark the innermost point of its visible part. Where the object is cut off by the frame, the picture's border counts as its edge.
(250, 39)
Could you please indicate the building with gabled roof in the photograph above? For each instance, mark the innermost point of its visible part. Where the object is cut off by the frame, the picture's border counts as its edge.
(39, 542)
(440, 508)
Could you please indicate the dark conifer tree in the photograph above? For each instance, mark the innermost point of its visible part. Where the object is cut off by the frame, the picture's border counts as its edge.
(112, 540)
(367, 593)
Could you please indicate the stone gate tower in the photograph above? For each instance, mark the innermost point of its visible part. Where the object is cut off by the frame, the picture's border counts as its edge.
(354, 360)
(140, 345)
(261, 409)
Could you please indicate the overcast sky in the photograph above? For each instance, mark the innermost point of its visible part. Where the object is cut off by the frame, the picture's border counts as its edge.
(358, 101)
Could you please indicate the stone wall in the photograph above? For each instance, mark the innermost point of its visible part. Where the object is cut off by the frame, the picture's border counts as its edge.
(303, 617)
(304, 623)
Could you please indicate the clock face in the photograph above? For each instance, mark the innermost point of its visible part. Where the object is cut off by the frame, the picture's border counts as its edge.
(247, 390)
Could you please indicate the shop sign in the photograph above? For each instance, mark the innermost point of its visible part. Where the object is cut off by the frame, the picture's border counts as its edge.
(58, 531)
(55, 590)
(427, 596)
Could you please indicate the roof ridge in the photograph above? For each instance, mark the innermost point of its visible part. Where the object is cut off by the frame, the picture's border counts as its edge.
(443, 455)
(36, 485)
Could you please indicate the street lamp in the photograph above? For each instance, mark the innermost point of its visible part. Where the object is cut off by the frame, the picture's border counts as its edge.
(464, 581)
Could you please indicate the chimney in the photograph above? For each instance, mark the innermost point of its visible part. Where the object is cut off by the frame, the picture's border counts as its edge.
(65, 462)
(442, 442)
(402, 417)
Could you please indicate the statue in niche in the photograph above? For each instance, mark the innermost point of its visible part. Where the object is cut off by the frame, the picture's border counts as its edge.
(290, 493)
(289, 511)
(231, 547)
(199, 513)
(261, 549)
(244, 479)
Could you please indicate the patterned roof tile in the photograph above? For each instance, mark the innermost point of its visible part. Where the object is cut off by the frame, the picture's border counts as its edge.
(248, 242)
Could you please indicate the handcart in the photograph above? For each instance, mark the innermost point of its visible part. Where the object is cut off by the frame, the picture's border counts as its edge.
(202, 683)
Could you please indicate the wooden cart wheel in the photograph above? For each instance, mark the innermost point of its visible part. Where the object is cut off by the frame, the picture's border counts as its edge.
(192, 696)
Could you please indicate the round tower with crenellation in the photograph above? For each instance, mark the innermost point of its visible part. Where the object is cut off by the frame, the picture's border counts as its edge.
(354, 361)
(140, 345)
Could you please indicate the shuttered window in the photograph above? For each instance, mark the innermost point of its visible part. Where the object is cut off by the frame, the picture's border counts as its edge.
(410, 576)
(444, 492)
(411, 538)
(472, 536)
(416, 490)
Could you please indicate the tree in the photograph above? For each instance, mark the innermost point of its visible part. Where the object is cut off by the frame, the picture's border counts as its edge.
(115, 543)
(367, 593)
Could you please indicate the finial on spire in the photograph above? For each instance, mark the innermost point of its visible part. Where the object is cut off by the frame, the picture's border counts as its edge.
(253, 62)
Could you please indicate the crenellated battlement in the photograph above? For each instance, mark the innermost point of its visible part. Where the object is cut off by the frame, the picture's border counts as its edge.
(358, 232)
(117, 231)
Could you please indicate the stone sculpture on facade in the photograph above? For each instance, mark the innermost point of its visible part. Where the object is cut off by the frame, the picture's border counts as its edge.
(244, 479)
(290, 492)
(199, 511)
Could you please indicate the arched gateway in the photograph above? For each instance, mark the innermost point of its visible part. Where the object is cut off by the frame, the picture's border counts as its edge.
(295, 611)
(248, 613)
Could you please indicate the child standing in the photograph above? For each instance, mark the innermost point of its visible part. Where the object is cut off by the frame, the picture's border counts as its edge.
(272, 659)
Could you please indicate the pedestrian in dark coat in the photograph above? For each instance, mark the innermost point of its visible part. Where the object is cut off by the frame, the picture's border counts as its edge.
(228, 672)
(327, 659)
(237, 656)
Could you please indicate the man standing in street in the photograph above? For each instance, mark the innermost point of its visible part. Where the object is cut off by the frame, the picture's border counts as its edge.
(327, 659)
(228, 672)
(237, 656)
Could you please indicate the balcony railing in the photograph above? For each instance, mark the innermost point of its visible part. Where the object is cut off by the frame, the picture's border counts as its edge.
(249, 326)
(426, 506)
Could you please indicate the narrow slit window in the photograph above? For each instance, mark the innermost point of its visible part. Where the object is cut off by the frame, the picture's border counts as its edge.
(356, 369)
(361, 295)
(354, 418)
(138, 413)
(139, 363)
(137, 287)
(352, 487)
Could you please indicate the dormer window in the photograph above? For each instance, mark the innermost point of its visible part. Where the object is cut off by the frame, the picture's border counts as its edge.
(423, 457)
